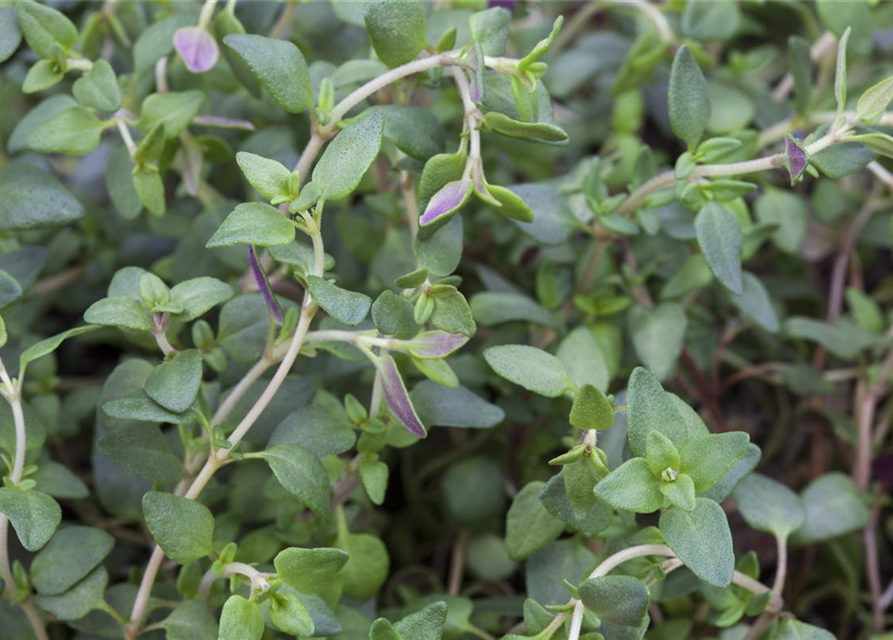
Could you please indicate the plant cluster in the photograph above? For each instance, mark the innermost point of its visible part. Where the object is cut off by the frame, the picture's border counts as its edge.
(569, 321)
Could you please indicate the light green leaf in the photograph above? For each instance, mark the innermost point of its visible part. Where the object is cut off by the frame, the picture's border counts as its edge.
(72, 554)
(310, 570)
(650, 408)
(174, 110)
(680, 492)
(702, 540)
(767, 505)
(688, 98)
(279, 66)
(347, 307)
(834, 507)
(81, 599)
(347, 158)
(790, 629)
(529, 527)
(459, 407)
(530, 130)
(707, 458)
(150, 190)
(33, 514)
(290, 615)
(10, 34)
(658, 334)
(240, 620)
(75, 131)
(396, 29)
(719, 236)
(374, 475)
(119, 311)
(844, 339)
(142, 408)
(453, 315)
(661, 453)
(31, 198)
(42, 75)
(619, 600)
(490, 308)
(198, 296)
(368, 566)
(254, 223)
(756, 304)
(184, 529)
(631, 487)
(47, 346)
(583, 358)
(529, 367)
(174, 384)
(43, 27)
(840, 72)
(191, 620)
(268, 177)
(302, 474)
(591, 409)
(98, 88)
(873, 103)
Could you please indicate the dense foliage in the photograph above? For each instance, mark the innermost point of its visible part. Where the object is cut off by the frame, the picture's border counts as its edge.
(419, 321)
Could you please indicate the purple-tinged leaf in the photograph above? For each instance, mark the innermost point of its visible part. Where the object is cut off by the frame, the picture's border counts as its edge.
(396, 396)
(447, 201)
(197, 47)
(482, 191)
(433, 344)
(796, 158)
(264, 285)
(505, 4)
(477, 68)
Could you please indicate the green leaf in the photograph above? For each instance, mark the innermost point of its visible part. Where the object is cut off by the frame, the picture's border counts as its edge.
(396, 29)
(591, 409)
(688, 98)
(72, 554)
(426, 624)
(453, 315)
(10, 289)
(631, 487)
(459, 407)
(800, 62)
(142, 450)
(840, 73)
(702, 540)
(57, 481)
(680, 492)
(529, 367)
(865, 311)
(174, 384)
(31, 198)
(10, 34)
(874, 102)
(347, 158)
(279, 66)
(416, 131)
(290, 615)
(542, 47)
(650, 408)
(786, 210)
(150, 190)
(619, 600)
(584, 360)
(81, 599)
(43, 27)
(142, 408)
(347, 307)
(41, 76)
(393, 315)
(844, 339)
(661, 453)
(707, 458)
(317, 429)
(47, 346)
(569, 497)
(120, 185)
(254, 223)
(268, 177)
(756, 304)
(374, 475)
(184, 529)
(439, 171)
(240, 620)
(719, 236)
(790, 629)
(119, 311)
(529, 527)
(75, 131)
(368, 566)
(302, 474)
(658, 334)
(834, 507)
(491, 308)
(98, 88)
(530, 130)
(33, 514)
(174, 110)
(490, 29)
(310, 570)
(710, 20)
(767, 505)
(198, 296)
(191, 620)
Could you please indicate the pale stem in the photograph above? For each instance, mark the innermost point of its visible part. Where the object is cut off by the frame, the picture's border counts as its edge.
(284, 21)
(163, 343)
(314, 145)
(126, 137)
(204, 17)
(240, 390)
(80, 65)
(161, 75)
(371, 87)
(472, 116)
(782, 568)
(653, 13)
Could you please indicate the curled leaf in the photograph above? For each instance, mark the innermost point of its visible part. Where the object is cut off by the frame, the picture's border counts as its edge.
(264, 285)
(447, 201)
(795, 157)
(396, 396)
(435, 344)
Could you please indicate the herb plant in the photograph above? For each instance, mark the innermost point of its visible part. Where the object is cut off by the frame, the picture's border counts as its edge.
(420, 321)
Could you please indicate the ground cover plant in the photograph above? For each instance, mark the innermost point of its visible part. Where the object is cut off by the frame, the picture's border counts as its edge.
(393, 320)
